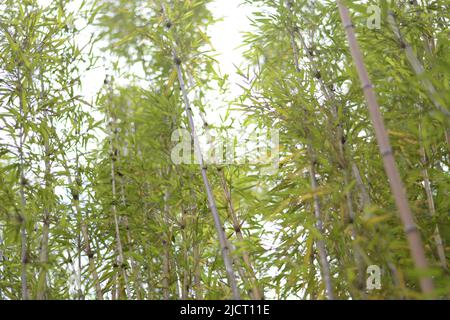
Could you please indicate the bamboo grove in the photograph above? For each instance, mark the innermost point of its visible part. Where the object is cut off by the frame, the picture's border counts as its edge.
(92, 205)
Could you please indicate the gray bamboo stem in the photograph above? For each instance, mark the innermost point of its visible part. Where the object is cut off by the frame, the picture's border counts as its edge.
(209, 193)
(134, 267)
(113, 155)
(323, 255)
(196, 250)
(84, 229)
(322, 250)
(432, 209)
(412, 233)
(166, 254)
(342, 155)
(23, 232)
(256, 293)
(42, 278)
(420, 70)
(415, 63)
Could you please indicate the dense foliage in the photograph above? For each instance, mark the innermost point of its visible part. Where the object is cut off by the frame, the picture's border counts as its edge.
(92, 205)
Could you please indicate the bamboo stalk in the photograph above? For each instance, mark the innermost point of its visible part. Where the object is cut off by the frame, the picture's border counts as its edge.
(42, 278)
(251, 277)
(209, 193)
(415, 64)
(90, 255)
(412, 233)
(429, 47)
(420, 70)
(114, 154)
(322, 250)
(432, 209)
(196, 250)
(134, 267)
(83, 226)
(185, 283)
(256, 293)
(340, 139)
(166, 254)
(23, 182)
(365, 198)
(79, 271)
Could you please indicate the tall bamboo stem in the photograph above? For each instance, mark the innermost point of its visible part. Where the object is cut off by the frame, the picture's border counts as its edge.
(339, 135)
(23, 182)
(248, 273)
(42, 278)
(415, 63)
(166, 253)
(209, 193)
(113, 155)
(75, 188)
(432, 209)
(322, 250)
(420, 70)
(412, 233)
(196, 248)
(256, 293)
(134, 267)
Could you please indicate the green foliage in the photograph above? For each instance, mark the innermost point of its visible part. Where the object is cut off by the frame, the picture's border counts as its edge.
(92, 206)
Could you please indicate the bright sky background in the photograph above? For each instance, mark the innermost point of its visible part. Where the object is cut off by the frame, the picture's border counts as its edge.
(226, 35)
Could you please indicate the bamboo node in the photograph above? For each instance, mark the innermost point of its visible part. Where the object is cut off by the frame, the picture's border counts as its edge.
(410, 228)
(367, 86)
(386, 152)
(347, 26)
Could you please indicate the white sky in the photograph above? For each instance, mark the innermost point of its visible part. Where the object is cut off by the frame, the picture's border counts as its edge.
(226, 35)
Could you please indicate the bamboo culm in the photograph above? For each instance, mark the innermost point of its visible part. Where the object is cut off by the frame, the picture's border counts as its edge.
(322, 251)
(210, 196)
(412, 233)
(23, 202)
(339, 138)
(114, 155)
